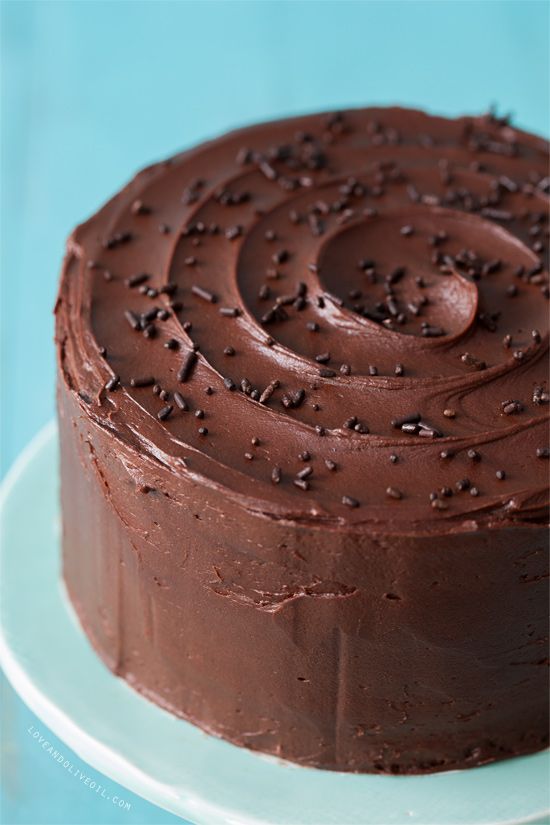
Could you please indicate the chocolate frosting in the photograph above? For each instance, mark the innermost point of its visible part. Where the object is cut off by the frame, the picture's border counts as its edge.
(370, 266)
(304, 425)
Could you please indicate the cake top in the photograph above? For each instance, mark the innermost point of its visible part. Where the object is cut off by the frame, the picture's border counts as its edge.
(338, 319)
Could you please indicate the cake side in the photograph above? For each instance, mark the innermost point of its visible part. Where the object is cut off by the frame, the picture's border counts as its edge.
(303, 407)
(341, 651)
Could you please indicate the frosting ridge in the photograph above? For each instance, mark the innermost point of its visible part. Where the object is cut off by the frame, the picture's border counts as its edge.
(338, 318)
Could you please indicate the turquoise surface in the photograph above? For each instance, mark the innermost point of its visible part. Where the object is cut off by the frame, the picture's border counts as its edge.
(91, 91)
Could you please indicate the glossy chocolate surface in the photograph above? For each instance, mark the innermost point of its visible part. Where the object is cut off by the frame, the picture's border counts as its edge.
(304, 409)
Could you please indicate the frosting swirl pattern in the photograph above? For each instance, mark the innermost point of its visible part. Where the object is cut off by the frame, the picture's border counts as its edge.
(303, 410)
(339, 319)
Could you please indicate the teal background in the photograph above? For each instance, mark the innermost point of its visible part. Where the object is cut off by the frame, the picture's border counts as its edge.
(91, 91)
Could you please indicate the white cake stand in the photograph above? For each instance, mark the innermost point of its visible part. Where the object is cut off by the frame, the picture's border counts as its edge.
(170, 762)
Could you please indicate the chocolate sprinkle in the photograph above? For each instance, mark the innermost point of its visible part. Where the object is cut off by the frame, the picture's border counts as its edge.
(186, 368)
(268, 392)
(165, 412)
(205, 294)
(132, 319)
(180, 401)
(137, 280)
(410, 418)
(147, 381)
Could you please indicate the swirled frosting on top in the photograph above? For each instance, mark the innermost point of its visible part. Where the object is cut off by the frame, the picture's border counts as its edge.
(340, 319)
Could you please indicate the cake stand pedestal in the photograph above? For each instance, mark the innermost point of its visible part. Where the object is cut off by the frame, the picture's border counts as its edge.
(171, 763)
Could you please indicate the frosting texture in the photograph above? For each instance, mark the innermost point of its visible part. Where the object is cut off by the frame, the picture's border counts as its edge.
(303, 407)
(340, 318)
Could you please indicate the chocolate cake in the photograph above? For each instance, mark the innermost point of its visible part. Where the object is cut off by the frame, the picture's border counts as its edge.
(303, 411)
